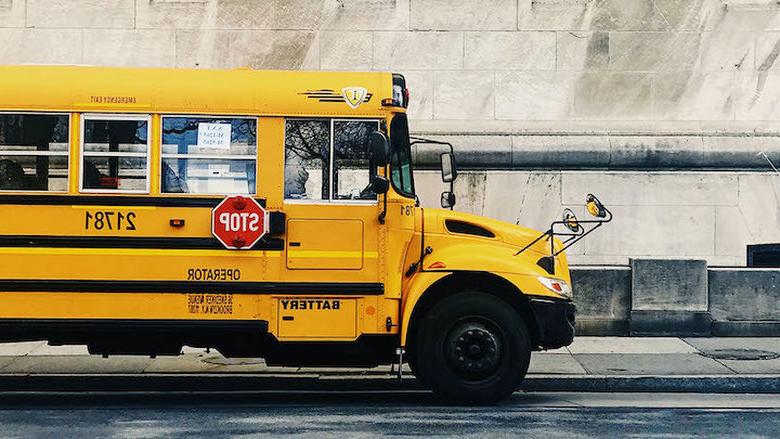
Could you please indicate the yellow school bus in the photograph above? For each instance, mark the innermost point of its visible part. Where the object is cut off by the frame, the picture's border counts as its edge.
(109, 179)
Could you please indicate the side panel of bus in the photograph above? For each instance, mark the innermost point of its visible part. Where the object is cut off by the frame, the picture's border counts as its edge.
(87, 265)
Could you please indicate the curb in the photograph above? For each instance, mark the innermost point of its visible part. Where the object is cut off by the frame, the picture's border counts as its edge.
(195, 383)
(664, 383)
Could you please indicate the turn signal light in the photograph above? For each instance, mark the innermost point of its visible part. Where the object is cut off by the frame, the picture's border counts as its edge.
(556, 286)
(437, 264)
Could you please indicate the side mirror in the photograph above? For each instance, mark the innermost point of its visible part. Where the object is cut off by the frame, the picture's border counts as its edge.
(378, 146)
(377, 156)
(570, 220)
(595, 207)
(448, 170)
(379, 185)
(447, 200)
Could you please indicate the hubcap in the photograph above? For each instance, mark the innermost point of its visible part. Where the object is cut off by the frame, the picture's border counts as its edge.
(473, 350)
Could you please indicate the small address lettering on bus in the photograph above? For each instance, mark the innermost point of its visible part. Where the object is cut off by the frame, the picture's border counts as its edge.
(210, 303)
(311, 304)
(213, 274)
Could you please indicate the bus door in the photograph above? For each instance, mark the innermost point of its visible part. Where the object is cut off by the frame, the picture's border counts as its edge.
(332, 213)
(333, 231)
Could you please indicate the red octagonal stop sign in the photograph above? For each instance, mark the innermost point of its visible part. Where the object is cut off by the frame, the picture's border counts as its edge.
(239, 222)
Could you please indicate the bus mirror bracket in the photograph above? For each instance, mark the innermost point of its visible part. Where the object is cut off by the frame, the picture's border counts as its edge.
(449, 169)
(574, 231)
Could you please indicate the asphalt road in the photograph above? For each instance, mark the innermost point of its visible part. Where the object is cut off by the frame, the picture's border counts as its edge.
(305, 414)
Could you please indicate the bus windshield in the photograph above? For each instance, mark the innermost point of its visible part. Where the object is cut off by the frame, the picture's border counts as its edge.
(401, 157)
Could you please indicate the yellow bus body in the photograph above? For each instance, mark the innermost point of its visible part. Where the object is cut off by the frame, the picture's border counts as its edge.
(348, 280)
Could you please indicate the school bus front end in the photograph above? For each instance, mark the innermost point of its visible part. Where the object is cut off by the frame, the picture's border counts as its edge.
(268, 214)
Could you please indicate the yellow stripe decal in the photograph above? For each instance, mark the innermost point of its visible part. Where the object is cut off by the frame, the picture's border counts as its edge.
(343, 254)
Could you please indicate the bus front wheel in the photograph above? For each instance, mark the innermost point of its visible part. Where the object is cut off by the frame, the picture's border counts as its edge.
(472, 348)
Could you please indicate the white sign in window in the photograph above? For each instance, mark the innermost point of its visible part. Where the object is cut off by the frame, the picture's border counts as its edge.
(214, 136)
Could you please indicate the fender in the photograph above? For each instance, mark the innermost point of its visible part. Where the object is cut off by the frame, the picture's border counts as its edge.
(419, 284)
(464, 257)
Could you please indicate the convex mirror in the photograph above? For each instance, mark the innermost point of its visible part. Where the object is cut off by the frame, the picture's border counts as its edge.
(570, 220)
(377, 156)
(379, 184)
(378, 147)
(595, 207)
(447, 200)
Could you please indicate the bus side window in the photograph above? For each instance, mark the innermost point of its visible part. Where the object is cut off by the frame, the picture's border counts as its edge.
(350, 159)
(307, 159)
(209, 155)
(34, 152)
(115, 154)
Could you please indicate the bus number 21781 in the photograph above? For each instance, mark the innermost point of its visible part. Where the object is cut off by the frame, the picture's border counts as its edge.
(108, 220)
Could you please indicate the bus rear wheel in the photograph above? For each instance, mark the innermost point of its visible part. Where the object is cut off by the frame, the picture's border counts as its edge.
(472, 348)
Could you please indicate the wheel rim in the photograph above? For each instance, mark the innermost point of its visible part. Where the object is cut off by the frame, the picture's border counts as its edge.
(473, 349)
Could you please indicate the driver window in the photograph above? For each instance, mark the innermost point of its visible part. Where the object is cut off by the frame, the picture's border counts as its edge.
(307, 159)
(327, 159)
(350, 159)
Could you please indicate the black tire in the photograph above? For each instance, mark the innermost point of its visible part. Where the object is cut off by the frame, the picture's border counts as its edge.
(472, 348)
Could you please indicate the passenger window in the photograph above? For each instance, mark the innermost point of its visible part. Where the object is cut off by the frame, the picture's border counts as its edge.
(350, 159)
(206, 155)
(34, 152)
(115, 151)
(307, 159)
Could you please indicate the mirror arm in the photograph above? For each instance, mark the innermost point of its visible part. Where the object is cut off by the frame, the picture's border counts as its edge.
(577, 238)
(573, 240)
(452, 191)
(383, 214)
(539, 238)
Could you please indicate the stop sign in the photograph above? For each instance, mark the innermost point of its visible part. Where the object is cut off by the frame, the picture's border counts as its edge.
(239, 222)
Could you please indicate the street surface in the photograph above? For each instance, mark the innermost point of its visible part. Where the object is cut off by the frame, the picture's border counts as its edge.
(341, 414)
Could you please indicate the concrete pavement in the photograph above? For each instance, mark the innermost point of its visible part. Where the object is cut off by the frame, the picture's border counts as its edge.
(590, 364)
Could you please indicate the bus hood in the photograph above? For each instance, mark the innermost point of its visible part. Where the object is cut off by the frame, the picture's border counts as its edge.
(459, 223)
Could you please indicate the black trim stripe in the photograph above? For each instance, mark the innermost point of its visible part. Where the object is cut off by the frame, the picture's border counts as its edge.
(118, 324)
(112, 200)
(128, 242)
(104, 286)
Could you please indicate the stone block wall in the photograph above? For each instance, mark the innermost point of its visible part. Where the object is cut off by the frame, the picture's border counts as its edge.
(676, 297)
(659, 106)
(492, 63)
(659, 214)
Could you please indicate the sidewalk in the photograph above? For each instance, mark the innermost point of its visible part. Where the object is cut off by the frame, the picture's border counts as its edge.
(591, 363)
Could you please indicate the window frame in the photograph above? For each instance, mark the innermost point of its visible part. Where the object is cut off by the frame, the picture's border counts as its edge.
(40, 153)
(330, 201)
(163, 156)
(82, 155)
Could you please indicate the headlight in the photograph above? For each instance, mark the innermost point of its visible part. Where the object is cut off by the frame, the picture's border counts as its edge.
(557, 286)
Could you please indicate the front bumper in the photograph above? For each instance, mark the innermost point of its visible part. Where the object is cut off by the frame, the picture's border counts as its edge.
(555, 321)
